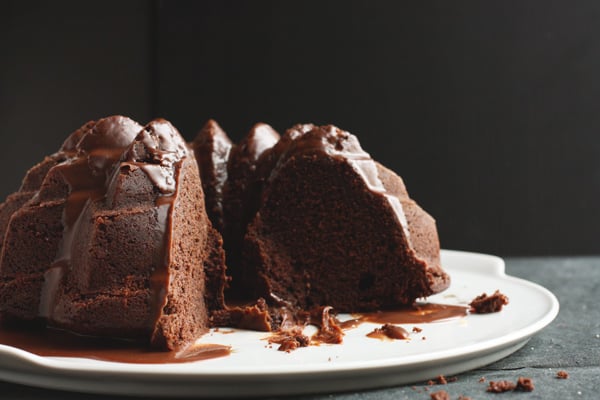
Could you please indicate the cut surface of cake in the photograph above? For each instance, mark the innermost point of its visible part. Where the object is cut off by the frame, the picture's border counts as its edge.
(123, 245)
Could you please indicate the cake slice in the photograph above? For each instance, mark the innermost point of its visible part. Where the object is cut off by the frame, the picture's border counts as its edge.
(127, 249)
(336, 228)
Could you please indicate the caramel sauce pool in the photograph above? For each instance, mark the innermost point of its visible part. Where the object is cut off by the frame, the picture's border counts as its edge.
(55, 343)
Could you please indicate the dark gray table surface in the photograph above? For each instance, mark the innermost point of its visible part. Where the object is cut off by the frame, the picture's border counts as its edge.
(570, 343)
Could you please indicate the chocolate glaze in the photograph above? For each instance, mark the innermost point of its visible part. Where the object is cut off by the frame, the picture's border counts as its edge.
(307, 139)
(92, 154)
(159, 280)
(287, 324)
(417, 314)
(289, 335)
(260, 138)
(389, 331)
(94, 162)
(329, 329)
(158, 151)
(57, 343)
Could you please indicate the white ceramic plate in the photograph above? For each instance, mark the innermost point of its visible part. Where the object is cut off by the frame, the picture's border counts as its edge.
(253, 369)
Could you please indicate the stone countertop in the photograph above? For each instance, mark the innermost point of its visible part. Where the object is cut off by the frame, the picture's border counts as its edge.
(571, 343)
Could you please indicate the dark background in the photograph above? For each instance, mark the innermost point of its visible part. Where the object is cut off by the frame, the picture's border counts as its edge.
(489, 111)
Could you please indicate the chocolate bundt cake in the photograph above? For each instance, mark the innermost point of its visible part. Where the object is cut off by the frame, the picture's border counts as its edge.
(110, 237)
(336, 228)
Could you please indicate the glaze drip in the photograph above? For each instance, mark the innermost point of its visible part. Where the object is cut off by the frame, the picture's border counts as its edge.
(158, 151)
(92, 156)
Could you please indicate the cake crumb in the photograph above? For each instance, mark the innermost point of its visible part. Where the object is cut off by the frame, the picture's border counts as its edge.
(525, 384)
(501, 386)
(482, 379)
(288, 339)
(440, 395)
(416, 329)
(562, 375)
(441, 380)
(292, 343)
(485, 304)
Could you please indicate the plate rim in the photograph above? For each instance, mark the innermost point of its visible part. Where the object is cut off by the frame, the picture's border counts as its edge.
(32, 364)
